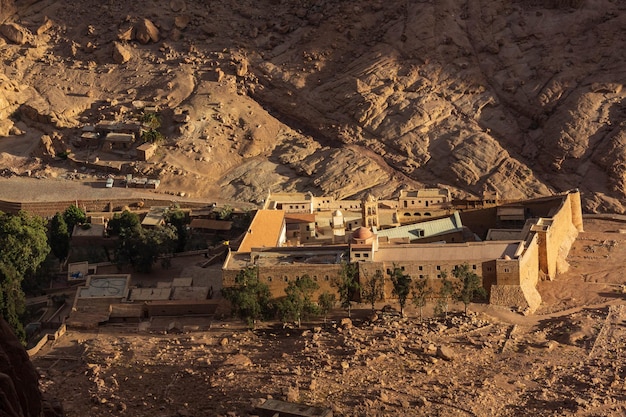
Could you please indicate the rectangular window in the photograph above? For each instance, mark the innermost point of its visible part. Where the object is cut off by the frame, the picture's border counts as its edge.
(420, 268)
(421, 276)
(357, 255)
(506, 270)
(438, 267)
(402, 268)
(314, 277)
(438, 275)
(286, 278)
(473, 266)
(326, 278)
(366, 255)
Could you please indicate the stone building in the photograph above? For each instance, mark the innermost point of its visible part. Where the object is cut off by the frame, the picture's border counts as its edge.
(510, 264)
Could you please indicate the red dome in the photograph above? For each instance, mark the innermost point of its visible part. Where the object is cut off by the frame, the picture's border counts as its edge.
(362, 233)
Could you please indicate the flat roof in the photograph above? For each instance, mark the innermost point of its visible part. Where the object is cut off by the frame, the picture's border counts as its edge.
(149, 294)
(425, 193)
(299, 218)
(457, 252)
(264, 231)
(424, 229)
(210, 224)
(105, 286)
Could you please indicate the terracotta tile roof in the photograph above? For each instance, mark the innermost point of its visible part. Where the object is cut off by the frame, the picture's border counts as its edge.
(264, 231)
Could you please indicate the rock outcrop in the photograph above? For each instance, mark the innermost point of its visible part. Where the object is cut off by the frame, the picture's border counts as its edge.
(19, 391)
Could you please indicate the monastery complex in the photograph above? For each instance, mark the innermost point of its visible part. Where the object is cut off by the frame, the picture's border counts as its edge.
(510, 245)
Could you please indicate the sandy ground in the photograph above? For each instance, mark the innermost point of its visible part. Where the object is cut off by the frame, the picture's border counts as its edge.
(566, 360)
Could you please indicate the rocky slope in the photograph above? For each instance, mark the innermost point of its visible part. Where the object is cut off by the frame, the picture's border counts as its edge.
(337, 97)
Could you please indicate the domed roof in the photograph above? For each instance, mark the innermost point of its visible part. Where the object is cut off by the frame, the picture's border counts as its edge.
(362, 233)
(337, 213)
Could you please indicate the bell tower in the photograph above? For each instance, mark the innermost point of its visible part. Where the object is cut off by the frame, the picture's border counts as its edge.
(369, 211)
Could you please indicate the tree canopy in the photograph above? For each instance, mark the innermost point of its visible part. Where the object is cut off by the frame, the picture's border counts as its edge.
(347, 284)
(471, 285)
(447, 290)
(179, 220)
(326, 302)
(126, 221)
(401, 287)
(249, 298)
(59, 237)
(141, 247)
(299, 303)
(73, 216)
(23, 242)
(23, 247)
(372, 287)
(421, 291)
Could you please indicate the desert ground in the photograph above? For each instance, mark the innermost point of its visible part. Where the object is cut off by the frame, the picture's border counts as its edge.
(566, 360)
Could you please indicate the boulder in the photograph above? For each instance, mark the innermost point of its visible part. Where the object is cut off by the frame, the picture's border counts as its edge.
(7, 9)
(19, 387)
(15, 33)
(146, 31)
(6, 126)
(121, 53)
(445, 353)
(238, 360)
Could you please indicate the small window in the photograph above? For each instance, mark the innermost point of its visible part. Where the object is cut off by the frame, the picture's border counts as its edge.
(269, 279)
(438, 267)
(473, 266)
(366, 255)
(326, 278)
(507, 270)
(438, 275)
(402, 268)
(357, 255)
(388, 271)
(286, 278)
(421, 276)
(420, 268)
(314, 277)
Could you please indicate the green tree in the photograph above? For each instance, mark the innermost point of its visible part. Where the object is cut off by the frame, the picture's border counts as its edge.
(150, 120)
(225, 213)
(326, 302)
(23, 242)
(179, 220)
(401, 287)
(127, 221)
(12, 302)
(471, 285)
(347, 285)
(142, 247)
(249, 298)
(372, 288)
(299, 303)
(421, 291)
(446, 292)
(23, 247)
(73, 216)
(59, 237)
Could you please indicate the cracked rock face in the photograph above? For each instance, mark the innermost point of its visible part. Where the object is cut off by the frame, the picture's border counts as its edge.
(522, 97)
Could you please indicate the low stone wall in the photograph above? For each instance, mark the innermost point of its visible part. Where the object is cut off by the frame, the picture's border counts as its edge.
(42, 342)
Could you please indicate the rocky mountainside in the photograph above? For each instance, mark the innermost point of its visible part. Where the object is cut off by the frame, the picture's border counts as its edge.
(338, 97)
